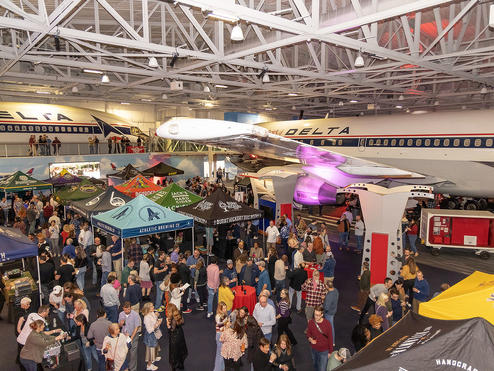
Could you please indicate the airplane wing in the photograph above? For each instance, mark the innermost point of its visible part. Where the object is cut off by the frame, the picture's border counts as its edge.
(254, 139)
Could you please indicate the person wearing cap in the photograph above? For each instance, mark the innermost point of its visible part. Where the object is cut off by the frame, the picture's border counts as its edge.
(337, 358)
(231, 273)
(263, 281)
(249, 273)
(56, 297)
(375, 326)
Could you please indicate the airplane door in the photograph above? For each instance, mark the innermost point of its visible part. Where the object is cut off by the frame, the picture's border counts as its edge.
(361, 144)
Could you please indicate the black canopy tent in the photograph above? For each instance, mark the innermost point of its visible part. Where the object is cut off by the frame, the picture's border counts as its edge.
(422, 343)
(128, 172)
(108, 200)
(162, 170)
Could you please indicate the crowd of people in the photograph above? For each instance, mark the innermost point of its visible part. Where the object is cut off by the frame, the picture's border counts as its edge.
(145, 291)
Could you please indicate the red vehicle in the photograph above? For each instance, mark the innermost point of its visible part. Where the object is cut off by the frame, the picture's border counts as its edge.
(459, 229)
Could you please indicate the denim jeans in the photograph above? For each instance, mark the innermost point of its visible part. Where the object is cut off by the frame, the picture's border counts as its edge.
(330, 318)
(343, 239)
(86, 354)
(80, 276)
(159, 294)
(412, 238)
(269, 336)
(211, 293)
(299, 297)
(29, 365)
(319, 360)
(95, 273)
(279, 285)
(104, 278)
(132, 355)
(219, 362)
(99, 357)
(6, 216)
(112, 313)
(360, 242)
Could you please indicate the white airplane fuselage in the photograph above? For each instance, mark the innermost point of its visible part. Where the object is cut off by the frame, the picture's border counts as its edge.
(456, 147)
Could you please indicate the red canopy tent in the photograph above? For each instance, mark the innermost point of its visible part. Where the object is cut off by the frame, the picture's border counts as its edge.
(138, 185)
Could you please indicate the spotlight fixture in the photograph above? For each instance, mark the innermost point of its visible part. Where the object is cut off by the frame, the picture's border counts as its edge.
(340, 103)
(401, 97)
(237, 33)
(164, 96)
(483, 90)
(75, 89)
(105, 79)
(153, 62)
(206, 89)
(174, 60)
(359, 61)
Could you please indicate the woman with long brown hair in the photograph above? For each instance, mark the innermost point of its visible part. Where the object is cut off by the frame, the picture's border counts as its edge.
(283, 318)
(80, 264)
(177, 346)
(234, 341)
(284, 354)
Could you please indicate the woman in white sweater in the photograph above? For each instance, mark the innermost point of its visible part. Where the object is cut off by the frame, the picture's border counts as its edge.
(152, 334)
(146, 283)
(115, 348)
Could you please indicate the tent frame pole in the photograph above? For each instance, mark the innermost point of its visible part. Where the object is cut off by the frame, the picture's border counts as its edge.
(193, 239)
(39, 280)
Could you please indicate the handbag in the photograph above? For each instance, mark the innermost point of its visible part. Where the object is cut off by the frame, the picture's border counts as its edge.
(158, 334)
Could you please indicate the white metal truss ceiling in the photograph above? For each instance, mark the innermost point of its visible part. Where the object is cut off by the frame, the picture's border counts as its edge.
(417, 53)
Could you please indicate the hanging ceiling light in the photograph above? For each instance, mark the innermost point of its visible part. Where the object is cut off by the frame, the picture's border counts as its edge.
(340, 103)
(263, 75)
(265, 78)
(401, 97)
(436, 103)
(237, 33)
(206, 89)
(105, 79)
(153, 62)
(75, 89)
(359, 61)
(483, 90)
(164, 96)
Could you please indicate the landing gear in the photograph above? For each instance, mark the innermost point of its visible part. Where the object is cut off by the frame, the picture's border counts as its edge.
(435, 251)
(484, 255)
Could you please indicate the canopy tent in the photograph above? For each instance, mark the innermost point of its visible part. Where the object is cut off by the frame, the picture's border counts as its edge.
(174, 196)
(96, 181)
(128, 172)
(82, 191)
(161, 170)
(140, 217)
(471, 297)
(108, 200)
(220, 208)
(15, 245)
(64, 178)
(19, 182)
(138, 185)
(421, 343)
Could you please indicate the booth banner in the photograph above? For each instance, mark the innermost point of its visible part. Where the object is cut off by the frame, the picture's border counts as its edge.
(107, 227)
(143, 231)
(421, 343)
(136, 149)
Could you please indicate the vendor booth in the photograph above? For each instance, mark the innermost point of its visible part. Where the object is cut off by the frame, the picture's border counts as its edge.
(174, 196)
(20, 182)
(108, 200)
(128, 172)
(138, 185)
(161, 170)
(471, 297)
(64, 178)
(17, 283)
(140, 217)
(421, 343)
(82, 191)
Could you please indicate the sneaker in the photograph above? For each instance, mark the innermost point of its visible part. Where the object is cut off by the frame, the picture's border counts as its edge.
(157, 359)
(209, 315)
(200, 308)
(355, 308)
(187, 311)
(152, 368)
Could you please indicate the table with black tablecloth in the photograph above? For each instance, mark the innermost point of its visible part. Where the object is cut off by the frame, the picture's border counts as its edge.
(246, 297)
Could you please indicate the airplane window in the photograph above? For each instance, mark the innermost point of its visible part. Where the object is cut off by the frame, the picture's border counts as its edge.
(43, 128)
(478, 142)
(69, 129)
(322, 142)
(418, 142)
(410, 142)
(311, 142)
(24, 128)
(446, 143)
(86, 130)
(488, 142)
(466, 142)
(378, 142)
(57, 129)
(31, 128)
(456, 142)
(393, 142)
(340, 142)
(2, 127)
(9, 127)
(385, 142)
(37, 128)
(401, 142)
(371, 142)
(437, 142)
(427, 142)
(50, 129)
(62, 129)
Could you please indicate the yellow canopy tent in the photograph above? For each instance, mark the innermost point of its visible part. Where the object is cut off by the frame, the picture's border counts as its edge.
(471, 297)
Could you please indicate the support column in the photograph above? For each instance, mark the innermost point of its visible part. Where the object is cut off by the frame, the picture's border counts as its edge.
(382, 210)
(283, 193)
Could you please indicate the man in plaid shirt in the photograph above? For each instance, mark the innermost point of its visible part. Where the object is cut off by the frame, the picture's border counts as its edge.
(315, 293)
(135, 252)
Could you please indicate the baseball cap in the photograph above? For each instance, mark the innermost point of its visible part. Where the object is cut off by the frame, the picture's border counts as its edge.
(57, 289)
(229, 261)
(25, 300)
(344, 353)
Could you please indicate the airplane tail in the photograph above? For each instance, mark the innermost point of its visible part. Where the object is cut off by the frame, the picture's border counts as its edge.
(113, 166)
(30, 171)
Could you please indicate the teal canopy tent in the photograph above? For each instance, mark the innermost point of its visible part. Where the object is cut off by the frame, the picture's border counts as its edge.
(140, 217)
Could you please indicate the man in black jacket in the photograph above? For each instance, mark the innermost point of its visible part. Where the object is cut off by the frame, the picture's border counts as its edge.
(297, 277)
(261, 360)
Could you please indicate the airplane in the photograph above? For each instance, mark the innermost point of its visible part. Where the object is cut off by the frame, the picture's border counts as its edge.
(29, 172)
(452, 151)
(18, 121)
